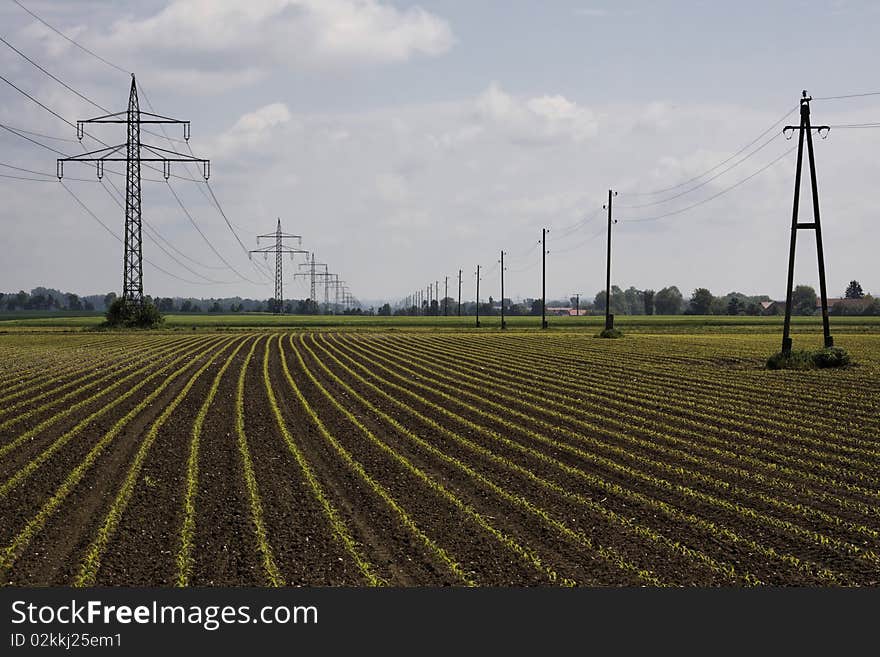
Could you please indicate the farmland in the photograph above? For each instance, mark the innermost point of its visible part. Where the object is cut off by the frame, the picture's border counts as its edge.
(279, 456)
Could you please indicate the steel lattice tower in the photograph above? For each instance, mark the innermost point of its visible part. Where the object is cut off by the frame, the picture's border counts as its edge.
(133, 117)
(279, 248)
(133, 269)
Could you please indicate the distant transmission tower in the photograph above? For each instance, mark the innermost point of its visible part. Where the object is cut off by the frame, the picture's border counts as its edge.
(279, 248)
(131, 153)
(312, 273)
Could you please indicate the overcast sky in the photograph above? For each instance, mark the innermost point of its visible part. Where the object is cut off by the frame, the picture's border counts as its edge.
(407, 141)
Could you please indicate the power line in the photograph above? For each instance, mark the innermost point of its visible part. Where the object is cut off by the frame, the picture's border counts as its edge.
(30, 139)
(704, 182)
(714, 196)
(119, 68)
(855, 125)
(41, 135)
(859, 95)
(580, 244)
(41, 68)
(58, 80)
(205, 238)
(45, 107)
(13, 177)
(119, 239)
(50, 176)
(155, 230)
(209, 199)
(720, 164)
(226, 219)
(68, 39)
(154, 235)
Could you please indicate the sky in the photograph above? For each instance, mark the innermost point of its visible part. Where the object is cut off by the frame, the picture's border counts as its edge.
(407, 141)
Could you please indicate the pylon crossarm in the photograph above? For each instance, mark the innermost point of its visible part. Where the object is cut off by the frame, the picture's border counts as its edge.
(107, 118)
(274, 249)
(91, 155)
(158, 118)
(818, 128)
(179, 157)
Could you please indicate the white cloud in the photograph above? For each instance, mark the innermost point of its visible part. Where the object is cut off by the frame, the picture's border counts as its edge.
(238, 37)
(537, 120)
(253, 130)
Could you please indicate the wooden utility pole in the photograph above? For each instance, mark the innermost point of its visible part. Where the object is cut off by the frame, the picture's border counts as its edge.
(609, 316)
(503, 323)
(478, 296)
(805, 129)
(544, 232)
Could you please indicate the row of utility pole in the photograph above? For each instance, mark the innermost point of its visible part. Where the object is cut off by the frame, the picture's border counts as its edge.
(423, 302)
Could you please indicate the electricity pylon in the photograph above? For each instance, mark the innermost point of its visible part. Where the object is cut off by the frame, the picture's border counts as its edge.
(130, 152)
(312, 273)
(278, 248)
(338, 285)
(327, 276)
(805, 129)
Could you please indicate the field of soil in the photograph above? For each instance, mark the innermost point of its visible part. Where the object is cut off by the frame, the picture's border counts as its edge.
(434, 458)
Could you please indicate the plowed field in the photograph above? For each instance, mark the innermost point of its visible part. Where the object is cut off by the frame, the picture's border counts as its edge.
(449, 458)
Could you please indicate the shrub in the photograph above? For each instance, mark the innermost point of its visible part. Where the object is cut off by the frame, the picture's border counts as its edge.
(610, 333)
(122, 314)
(831, 357)
(795, 360)
(807, 360)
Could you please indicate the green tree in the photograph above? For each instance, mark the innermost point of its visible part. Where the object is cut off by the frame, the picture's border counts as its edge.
(804, 300)
(648, 300)
(385, 310)
(854, 290)
(123, 314)
(701, 301)
(734, 306)
(73, 302)
(668, 301)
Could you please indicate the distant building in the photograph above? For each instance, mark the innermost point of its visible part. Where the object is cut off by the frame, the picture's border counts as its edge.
(772, 307)
(562, 311)
(845, 306)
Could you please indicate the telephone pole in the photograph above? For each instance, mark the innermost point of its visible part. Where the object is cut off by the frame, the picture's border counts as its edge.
(446, 297)
(279, 248)
(577, 304)
(544, 253)
(133, 118)
(459, 292)
(609, 317)
(503, 323)
(478, 296)
(806, 129)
